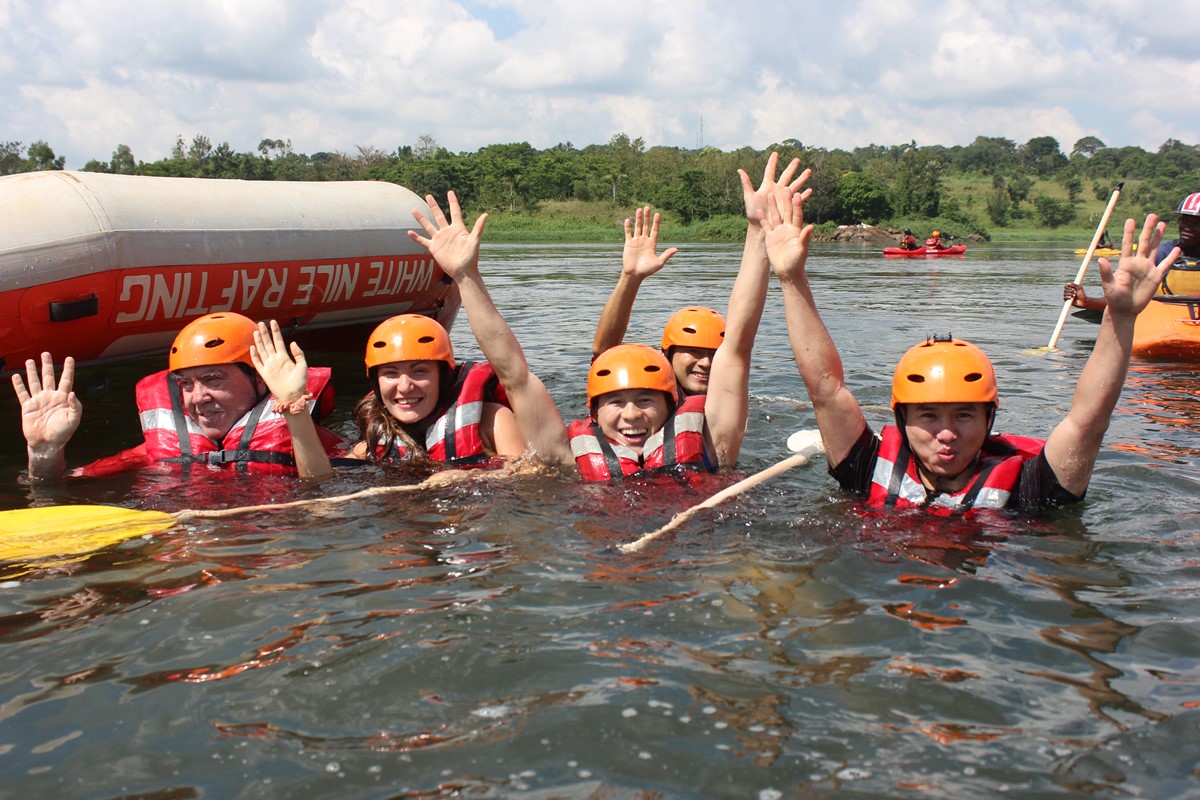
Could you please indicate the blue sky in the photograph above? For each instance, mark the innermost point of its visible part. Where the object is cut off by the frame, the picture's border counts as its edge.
(340, 75)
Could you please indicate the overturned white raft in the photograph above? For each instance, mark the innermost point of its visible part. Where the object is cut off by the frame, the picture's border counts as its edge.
(102, 267)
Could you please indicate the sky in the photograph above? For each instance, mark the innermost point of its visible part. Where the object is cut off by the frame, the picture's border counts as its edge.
(345, 75)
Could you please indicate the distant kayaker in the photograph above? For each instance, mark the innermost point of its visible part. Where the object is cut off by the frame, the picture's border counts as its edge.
(935, 240)
(1182, 279)
(1105, 243)
(692, 335)
(232, 396)
(908, 241)
(941, 454)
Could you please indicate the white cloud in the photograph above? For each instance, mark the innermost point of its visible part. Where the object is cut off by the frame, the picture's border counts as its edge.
(87, 75)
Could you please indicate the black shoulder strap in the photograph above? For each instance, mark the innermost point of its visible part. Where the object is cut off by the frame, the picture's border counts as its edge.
(610, 457)
(899, 469)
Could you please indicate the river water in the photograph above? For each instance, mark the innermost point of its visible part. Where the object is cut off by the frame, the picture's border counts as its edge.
(488, 640)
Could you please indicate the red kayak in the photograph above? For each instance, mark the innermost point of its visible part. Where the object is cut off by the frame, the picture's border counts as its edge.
(956, 250)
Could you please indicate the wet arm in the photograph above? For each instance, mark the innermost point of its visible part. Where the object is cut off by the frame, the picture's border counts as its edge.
(457, 252)
(839, 417)
(728, 405)
(1075, 443)
(639, 260)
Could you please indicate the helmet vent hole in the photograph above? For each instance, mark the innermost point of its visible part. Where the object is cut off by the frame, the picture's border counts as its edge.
(972, 377)
(689, 329)
(425, 339)
(378, 345)
(211, 343)
(652, 368)
(604, 373)
(916, 378)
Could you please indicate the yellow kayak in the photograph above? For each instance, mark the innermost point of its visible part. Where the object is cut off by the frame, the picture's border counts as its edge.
(1169, 328)
(1107, 252)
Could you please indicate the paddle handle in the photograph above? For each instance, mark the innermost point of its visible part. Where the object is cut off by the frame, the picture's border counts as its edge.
(797, 460)
(1087, 259)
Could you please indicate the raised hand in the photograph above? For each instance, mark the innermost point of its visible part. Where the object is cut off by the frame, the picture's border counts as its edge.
(757, 199)
(50, 414)
(640, 258)
(787, 236)
(286, 374)
(1129, 288)
(454, 248)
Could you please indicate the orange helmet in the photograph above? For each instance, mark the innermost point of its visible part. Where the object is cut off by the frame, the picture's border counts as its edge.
(222, 338)
(694, 326)
(944, 370)
(630, 366)
(408, 337)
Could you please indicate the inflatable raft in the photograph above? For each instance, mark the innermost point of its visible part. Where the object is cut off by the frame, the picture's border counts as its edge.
(103, 267)
(1169, 328)
(954, 250)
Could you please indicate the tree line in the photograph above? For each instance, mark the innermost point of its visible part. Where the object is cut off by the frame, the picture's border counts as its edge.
(875, 184)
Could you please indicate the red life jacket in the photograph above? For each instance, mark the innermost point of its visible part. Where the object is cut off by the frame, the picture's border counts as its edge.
(259, 441)
(679, 442)
(897, 484)
(933, 242)
(455, 438)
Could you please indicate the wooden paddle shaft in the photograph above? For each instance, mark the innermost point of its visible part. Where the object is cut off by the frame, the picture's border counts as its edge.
(797, 460)
(1087, 259)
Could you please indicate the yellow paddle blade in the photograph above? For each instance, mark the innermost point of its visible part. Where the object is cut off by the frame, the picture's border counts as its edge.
(58, 531)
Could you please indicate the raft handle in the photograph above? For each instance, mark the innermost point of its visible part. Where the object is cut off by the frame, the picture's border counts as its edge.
(68, 310)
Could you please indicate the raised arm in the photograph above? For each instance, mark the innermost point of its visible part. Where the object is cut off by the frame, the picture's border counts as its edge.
(639, 260)
(286, 376)
(1075, 442)
(838, 414)
(457, 252)
(728, 404)
(50, 415)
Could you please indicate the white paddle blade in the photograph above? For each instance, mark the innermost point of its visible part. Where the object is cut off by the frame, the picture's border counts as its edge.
(806, 440)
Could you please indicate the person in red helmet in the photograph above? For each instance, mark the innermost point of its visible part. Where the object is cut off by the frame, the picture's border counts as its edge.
(693, 334)
(1183, 278)
(232, 395)
(941, 454)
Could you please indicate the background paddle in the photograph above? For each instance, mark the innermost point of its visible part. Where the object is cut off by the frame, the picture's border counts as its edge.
(1066, 309)
(805, 444)
(51, 535)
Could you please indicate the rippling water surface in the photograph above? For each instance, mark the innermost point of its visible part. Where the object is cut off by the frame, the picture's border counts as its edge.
(487, 640)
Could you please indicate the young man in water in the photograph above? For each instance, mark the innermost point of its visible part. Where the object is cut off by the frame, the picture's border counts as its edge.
(692, 335)
(941, 453)
(1182, 279)
(232, 395)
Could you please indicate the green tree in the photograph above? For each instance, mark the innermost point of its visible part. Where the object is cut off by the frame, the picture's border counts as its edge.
(1053, 212)
(998, 201)
(918, 183)
(1087, 147)
(41, 157)
(1041, 156)
(861, 199)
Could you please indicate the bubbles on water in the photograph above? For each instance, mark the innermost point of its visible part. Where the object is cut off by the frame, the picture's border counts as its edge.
(769, 794)
(853, 774)
(492, 712)
(629, 712)
(644, 755)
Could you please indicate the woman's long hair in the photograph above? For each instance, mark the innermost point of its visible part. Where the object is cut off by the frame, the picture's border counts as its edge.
(382, 432)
